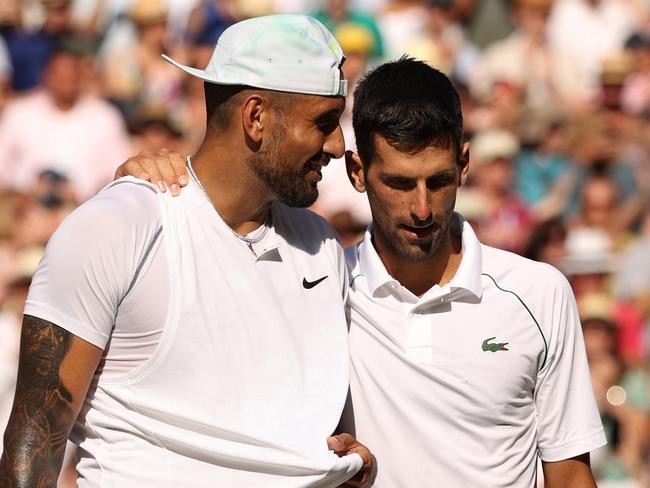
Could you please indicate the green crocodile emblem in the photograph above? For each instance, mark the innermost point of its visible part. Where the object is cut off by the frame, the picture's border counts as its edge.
(494, 346)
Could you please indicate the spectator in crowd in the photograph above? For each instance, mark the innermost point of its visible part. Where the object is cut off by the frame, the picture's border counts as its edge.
(589, 264)
(137, 74)
(30, 51)
(153, 128)
(623, 397)
(453, 53)
(61, 128)
(547, 76)
(402, 22)
(636, 89)
(632, 280)
(547, 242)
(486, 21)
(600, 209)
(590, 30)
(542, 165)
(338, 12)
(595, 146)
(209, 19)
(588, 261)
(508, 222)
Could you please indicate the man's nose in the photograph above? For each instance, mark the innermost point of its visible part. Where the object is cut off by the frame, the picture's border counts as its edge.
(421, 205)
(334, 143)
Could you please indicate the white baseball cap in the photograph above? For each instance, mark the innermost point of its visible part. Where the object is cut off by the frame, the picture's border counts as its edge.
(288, 53)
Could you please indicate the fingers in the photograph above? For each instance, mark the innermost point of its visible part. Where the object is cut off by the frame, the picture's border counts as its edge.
(177, 162)
(165, 169)
(132, 167)
(341, 443)
(169, 166)
(344, 444)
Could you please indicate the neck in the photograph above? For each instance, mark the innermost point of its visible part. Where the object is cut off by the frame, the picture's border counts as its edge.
(64, 105)
(421, 275)
(241, 200)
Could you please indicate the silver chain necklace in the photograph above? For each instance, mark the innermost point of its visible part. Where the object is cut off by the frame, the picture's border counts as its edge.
(248, 240)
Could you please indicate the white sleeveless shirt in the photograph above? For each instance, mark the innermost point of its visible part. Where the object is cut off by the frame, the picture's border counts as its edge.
(251, 372)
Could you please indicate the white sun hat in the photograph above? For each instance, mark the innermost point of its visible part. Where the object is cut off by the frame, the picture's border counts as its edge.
(491, 144)
(289, 53)
(588, 251)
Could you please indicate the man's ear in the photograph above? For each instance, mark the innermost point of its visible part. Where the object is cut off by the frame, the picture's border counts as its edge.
(463, 163)
(355, 171)
(254, 111)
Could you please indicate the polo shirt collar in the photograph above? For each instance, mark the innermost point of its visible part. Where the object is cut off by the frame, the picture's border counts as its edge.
(467, 277)
(468, 274)
(371, 265)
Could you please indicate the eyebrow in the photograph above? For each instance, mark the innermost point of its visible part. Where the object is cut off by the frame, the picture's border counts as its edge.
(442, 174)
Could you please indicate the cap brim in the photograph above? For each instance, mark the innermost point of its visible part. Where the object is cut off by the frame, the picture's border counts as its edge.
(198, 73)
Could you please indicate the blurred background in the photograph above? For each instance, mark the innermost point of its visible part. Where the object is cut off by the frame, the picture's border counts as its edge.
(556, 99)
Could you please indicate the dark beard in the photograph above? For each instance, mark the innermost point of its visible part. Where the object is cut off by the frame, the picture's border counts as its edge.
(290, 187)
(424, 250)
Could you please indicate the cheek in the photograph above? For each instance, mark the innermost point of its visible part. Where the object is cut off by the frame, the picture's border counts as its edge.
(443, 201)
(385, 204)
(303, 143)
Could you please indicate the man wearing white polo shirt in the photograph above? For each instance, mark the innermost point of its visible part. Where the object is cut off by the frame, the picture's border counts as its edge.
(468, 362)
(201, 341)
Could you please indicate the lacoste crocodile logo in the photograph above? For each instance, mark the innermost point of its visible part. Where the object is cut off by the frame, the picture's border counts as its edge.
(494, 346)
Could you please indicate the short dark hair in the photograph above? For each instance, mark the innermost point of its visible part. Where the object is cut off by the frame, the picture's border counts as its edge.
(408, 103)
(220, 100)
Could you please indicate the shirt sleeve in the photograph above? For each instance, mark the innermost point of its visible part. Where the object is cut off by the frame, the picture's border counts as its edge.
(568, 419)
(91, 261)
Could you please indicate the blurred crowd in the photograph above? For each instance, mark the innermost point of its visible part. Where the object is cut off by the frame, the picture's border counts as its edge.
(556, 97)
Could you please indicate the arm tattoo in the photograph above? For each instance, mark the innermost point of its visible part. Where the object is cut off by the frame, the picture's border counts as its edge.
(42, 414)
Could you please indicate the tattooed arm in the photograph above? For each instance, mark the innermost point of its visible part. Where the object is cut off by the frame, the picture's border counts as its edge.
(53, 376)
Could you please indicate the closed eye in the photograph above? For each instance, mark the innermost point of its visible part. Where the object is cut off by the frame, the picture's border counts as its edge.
(436, 182)
(328, 122)
(400, 184)
(441, 181)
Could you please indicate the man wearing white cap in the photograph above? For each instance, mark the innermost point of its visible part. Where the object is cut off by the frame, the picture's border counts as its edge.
(201, 341)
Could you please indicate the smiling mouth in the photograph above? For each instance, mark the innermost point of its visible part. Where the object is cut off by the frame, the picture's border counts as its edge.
(316, 167)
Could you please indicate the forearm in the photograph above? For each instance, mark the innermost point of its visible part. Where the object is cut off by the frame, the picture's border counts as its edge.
(45, 405)
(570, 473)
(32, 456)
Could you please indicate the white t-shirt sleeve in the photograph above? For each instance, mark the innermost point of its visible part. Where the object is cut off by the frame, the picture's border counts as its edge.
(92, 260)
(568, 419)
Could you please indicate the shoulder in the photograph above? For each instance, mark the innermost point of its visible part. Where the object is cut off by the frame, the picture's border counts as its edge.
(98, 107)
(124, 204)
(111, 231)
(520, 274)
(24, 107)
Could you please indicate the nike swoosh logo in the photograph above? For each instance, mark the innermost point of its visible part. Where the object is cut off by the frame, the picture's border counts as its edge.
(311, 284)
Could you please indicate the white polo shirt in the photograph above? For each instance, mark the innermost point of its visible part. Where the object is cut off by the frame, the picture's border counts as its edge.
(468, 384)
